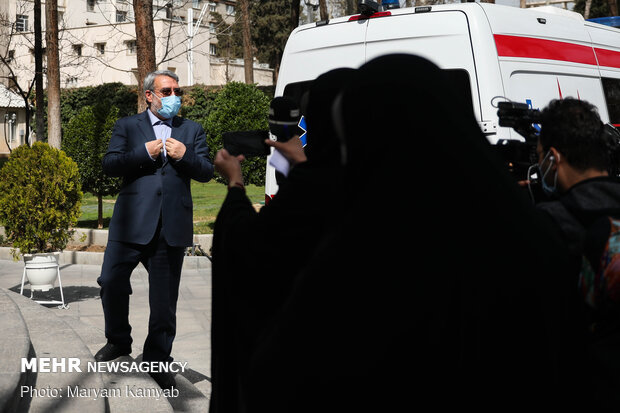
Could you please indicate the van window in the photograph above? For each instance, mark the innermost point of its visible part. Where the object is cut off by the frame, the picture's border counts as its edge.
(296, 90)
(460, 80)
(611, 88)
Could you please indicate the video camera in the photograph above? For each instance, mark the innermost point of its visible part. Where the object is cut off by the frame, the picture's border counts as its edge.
(284, 115)
(519, 156)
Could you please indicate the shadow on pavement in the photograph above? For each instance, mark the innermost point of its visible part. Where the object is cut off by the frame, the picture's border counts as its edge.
(71, 293)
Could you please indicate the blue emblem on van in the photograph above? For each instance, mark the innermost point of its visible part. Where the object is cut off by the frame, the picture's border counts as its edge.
(302, 125)
(529, 104)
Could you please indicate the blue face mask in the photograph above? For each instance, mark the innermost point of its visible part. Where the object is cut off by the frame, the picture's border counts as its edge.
(170, 106)
(549, 189)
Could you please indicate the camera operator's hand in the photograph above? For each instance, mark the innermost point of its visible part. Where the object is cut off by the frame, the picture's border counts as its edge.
(229, 167)
(292, 149)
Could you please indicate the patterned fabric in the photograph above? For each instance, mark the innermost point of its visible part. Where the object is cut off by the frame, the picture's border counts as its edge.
(602, 288)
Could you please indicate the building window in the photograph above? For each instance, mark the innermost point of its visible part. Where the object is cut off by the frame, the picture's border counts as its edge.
(77, 50)
(90, 5)
(196, 4)
(21, 23)
(121, 16)
(131, 47)
(212, 28)
(100, 47)
(230, 10)
(11, 120)
(72, 81)
(212, 7)
(10, 56)
(212, 49)
(43, 52)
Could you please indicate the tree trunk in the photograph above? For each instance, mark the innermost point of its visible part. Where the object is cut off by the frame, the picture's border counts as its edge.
(294, 14)
(351, 7)
(99, 211)
(323, 10)
(38, 70)
(145, 44)
(54, 131)
(248, 60)
(586, 13)
(613, 7)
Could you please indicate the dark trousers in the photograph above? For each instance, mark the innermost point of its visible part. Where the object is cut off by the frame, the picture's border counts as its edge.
(164, 264)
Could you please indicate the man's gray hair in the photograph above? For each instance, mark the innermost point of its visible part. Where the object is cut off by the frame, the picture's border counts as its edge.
(149, 80)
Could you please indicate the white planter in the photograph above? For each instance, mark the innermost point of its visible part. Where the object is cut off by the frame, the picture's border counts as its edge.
(41, 270)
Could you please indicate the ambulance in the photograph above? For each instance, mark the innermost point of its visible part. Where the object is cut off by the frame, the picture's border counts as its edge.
(493, 52)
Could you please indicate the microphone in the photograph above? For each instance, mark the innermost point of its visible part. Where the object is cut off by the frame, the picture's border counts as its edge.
(284, 115)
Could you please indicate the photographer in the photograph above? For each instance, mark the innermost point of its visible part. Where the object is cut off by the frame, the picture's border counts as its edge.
(574, 158)
(256, 255)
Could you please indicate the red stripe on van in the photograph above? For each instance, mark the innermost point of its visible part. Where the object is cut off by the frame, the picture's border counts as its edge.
(607, 58)
(372, 16)
(518, 46)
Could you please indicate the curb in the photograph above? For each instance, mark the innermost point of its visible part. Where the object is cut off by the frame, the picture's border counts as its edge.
(96, 258)
(15, 342)
(100, 237)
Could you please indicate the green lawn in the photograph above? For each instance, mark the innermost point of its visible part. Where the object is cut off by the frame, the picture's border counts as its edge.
(207, 197)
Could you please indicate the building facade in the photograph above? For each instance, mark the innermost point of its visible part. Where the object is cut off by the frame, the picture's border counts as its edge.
(12, 121)
(97, 42)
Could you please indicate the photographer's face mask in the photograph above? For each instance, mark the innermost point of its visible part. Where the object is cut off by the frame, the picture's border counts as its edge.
(549, 189)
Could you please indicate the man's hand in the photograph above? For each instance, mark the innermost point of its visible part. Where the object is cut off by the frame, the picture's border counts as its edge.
(174, 149)
(229, 167)
(154, 147)
(292, 149)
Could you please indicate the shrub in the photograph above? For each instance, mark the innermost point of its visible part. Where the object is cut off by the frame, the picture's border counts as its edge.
(86, 140)
(238, 107)
(40, 198)
(198, 102)
(124, 97)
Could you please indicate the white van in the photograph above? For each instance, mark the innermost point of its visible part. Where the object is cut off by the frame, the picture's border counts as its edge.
(526, 55)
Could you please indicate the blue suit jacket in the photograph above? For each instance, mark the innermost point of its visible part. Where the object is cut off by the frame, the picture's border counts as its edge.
(155, 188)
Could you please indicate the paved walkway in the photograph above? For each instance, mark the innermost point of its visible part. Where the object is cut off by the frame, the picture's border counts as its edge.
(81, 292)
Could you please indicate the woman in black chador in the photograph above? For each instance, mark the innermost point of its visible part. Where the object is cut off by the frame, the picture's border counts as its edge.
(439, 285)
(256, 256)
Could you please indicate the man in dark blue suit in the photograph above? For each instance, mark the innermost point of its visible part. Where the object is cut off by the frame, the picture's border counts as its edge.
(157, 154)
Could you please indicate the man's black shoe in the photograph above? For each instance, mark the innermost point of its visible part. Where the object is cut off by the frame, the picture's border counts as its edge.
(111, 351)
(165, 380)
